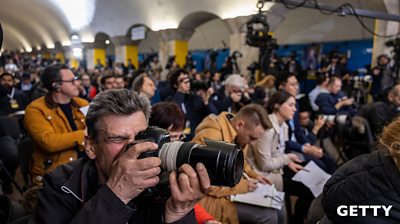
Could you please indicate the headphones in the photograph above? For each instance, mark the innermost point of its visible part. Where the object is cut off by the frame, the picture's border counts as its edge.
(55, 86)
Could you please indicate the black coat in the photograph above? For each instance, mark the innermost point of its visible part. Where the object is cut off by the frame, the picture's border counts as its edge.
(371, 179)
(71, 194)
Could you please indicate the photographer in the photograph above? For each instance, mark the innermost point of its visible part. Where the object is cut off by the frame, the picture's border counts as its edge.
(106, 186)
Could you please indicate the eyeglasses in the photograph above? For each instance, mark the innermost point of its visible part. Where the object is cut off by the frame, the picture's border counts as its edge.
(71, 81)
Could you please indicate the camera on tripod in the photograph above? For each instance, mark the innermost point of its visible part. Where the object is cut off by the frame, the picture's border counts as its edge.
(224, 161)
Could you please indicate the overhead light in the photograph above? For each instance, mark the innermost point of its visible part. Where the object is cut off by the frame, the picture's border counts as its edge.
(77, 52)
(107, 41)
(50, 46)
(74, 37)
(39, 48)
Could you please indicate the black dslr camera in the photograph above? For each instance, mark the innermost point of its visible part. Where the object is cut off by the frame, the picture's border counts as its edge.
(223, 161)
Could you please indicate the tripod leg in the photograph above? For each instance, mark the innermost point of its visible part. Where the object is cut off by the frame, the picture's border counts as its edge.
(3, 169)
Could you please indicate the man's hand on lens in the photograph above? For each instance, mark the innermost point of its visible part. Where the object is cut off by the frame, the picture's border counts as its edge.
(130, 175)
(187, 188)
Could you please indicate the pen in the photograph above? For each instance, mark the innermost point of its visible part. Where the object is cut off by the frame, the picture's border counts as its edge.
(246, 176)
(306, 170)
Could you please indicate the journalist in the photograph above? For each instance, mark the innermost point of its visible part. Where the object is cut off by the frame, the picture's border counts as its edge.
(106, 187)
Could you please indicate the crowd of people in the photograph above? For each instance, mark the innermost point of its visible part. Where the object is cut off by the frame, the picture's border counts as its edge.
(83, 171)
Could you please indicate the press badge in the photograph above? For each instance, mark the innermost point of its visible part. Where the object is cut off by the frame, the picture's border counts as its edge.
(14, 104)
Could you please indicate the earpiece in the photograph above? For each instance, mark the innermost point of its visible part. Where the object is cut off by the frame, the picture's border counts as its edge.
(56, 86)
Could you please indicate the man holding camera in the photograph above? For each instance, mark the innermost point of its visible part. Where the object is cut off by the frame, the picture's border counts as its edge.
(245, 128)
(106, 187)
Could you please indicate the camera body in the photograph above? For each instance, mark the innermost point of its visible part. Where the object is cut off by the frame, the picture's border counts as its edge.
(224, 161)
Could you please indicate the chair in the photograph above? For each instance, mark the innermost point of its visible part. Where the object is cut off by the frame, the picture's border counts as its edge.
(9, 126)
(25, 151)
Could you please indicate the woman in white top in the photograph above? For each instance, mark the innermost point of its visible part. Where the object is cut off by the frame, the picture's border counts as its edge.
(268, 154)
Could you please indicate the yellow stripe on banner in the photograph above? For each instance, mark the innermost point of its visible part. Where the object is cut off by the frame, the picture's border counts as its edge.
(60, 56)
(132, 52)
(181, 51)
(99, 53)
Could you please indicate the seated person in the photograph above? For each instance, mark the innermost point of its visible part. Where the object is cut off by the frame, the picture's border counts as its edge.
(297, 141)
(269, 157)
(55, 122)
(168, 115)
(106, 186)
(380, 113)
(334, 101)
(15, 99)
(245, 128)
(371, 179)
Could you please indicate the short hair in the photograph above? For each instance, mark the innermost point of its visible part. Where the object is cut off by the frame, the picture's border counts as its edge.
(321, 78)
(167, 114)
(234, 80)
(138, 82)
(104, 78)
(333, 79)
(6, 74)
(255, 115)
(279, 98)
(174, 75)
(282, 78)
(114, 102)
(51, 74)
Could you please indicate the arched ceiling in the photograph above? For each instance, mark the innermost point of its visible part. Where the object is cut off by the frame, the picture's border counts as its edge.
(28, 24)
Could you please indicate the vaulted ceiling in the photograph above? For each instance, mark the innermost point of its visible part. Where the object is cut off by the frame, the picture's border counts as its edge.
(31, 24)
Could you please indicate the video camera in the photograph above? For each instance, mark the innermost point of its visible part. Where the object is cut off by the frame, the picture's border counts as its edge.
(224, 161)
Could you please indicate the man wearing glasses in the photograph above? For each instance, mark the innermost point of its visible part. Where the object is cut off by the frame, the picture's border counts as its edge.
(55, 122)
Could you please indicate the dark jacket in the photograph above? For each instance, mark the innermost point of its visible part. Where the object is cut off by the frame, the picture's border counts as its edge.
(72, 194)
(371, 179)
(195, 110)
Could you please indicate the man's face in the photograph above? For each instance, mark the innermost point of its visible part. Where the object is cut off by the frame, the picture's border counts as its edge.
(109, 83)
(248, 135)
(304, 118)
(291, 86)
(395, 98)
(86, 81)
(7, 81)
(148, 87)
(115, 132)
(183, 83)
(336, 86)
(119, 83)
(68, 83)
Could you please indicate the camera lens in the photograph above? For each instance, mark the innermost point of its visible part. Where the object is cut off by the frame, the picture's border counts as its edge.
(223, 161)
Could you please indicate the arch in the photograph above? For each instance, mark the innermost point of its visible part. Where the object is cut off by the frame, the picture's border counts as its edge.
(195, 19)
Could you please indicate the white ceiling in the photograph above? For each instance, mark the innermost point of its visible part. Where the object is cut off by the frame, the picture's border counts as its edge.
(31, 23)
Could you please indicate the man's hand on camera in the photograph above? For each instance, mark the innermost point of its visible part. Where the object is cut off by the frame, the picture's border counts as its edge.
(130, 176)
(187, 189)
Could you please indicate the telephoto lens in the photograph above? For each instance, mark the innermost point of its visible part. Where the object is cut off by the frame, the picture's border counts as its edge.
(224, 161)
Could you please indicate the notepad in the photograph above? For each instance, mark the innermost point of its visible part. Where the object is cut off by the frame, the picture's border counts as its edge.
(265, 196)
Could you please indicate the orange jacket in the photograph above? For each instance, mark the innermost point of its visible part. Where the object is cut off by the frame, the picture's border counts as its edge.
(53, 137)
(217, 202)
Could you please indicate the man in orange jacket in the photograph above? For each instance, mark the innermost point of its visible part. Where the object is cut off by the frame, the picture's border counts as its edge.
(55, 122)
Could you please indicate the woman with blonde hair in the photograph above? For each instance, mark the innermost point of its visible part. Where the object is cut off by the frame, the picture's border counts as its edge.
(371, 179)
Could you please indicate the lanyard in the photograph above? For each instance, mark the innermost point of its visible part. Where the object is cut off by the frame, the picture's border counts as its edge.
(11, 96)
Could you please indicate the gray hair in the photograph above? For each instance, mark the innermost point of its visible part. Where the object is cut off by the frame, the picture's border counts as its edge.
(114, 101)
(234, 80)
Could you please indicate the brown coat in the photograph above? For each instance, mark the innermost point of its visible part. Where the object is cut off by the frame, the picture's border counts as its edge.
(217, 201)
(53, 137)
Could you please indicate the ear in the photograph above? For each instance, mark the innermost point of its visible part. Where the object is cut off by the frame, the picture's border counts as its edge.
(56, 86)
(89, 147)
(240, 124)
